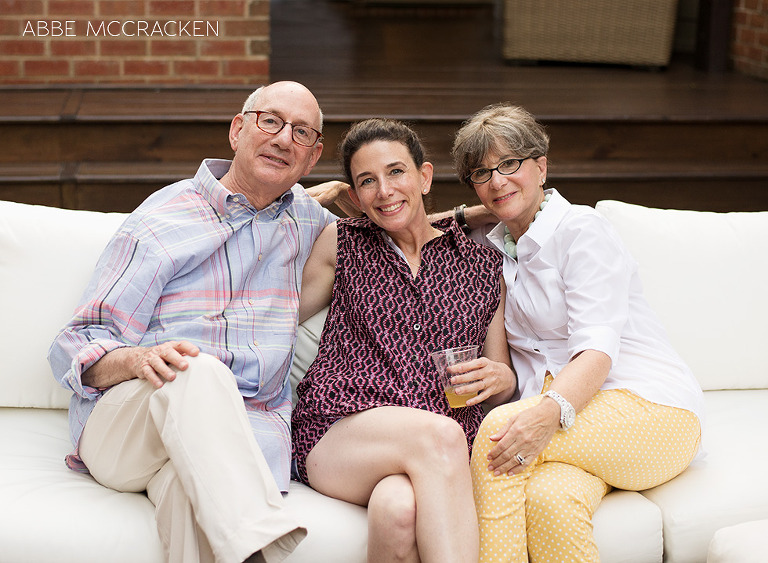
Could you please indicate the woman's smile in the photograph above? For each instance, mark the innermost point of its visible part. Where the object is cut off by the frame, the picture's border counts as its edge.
(391, 207)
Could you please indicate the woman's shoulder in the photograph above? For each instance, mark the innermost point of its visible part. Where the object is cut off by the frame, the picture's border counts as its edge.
(584, 219)
(356, 223)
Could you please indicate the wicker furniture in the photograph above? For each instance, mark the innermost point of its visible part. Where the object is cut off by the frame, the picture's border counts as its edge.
(634, 32)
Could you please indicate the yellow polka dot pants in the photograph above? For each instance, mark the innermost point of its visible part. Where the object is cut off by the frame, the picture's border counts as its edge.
(545, 513)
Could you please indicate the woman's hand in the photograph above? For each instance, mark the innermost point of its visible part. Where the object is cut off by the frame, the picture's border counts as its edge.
(526, 434)
(485, 377)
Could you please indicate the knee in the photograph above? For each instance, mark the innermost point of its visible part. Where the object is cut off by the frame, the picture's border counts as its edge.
(205, 369)
(205, 378)
(392, 514)
(563, 491)
(443, 440)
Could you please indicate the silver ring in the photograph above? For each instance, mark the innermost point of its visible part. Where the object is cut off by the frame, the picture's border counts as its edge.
(520, 459)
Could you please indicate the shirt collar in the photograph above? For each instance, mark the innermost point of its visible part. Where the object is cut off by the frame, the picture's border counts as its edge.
(540, 231)
(229, 205)
(448, 225)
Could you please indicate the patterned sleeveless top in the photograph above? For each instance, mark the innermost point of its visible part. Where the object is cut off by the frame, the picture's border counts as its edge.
(383, 323)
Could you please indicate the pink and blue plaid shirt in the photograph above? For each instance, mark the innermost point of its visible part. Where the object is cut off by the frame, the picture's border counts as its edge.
(196, 262)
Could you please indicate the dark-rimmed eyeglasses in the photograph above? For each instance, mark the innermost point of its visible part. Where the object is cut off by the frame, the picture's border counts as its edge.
(506, 167)
(270, 123)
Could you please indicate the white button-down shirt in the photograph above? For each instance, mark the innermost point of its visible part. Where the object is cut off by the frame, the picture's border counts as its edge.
(574, 287)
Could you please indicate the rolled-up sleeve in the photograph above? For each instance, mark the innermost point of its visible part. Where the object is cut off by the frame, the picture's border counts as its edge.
(597, 272)
(113, 313)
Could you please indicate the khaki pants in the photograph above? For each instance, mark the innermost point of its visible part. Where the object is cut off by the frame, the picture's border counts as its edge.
(190, 446)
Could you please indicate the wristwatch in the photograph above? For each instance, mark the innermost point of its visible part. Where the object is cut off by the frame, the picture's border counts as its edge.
(458, 214)
(567, 412)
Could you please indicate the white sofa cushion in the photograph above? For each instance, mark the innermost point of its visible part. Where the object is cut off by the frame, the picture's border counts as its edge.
(39, 495)
(705, 276)
(50, 513)
(46, 506)
(627, 528)
(728, 486)
(47, 256)
(743, 543)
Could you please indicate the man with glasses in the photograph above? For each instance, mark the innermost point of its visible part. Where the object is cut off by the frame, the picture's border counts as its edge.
(179, 351)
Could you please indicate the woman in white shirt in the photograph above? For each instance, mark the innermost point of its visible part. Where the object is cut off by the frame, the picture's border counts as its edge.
(604, 399)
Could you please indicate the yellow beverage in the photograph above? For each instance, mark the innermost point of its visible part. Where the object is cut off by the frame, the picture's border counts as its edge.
(457, 401)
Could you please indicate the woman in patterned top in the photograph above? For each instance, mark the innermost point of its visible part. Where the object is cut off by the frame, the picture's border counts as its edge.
(372, 425)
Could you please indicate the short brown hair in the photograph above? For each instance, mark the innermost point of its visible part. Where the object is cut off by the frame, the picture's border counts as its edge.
(500, 127)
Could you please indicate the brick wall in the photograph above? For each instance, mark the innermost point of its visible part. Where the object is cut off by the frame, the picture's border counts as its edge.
(134, 41)
(750, 37)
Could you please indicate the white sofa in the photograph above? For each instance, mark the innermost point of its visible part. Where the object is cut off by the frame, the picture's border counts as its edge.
(706, 274)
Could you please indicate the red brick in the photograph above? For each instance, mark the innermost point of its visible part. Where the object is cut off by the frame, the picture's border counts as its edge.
(21, 7)
(246, 68)
(740, 17)
(122, 8)
(57, 8)
(758, 21)
(22, 47)
(258, 8)
(172, 47)
(196, 68)
(182, 9)
(222, 8)
(96, 68)
(73, 48)
(46, 68)
(259, 47)
(153, 68)
(246, 28)
(223, 48)
(121, 47)
(10, 68)
(12, 28)
(739, 50)
(746, 36)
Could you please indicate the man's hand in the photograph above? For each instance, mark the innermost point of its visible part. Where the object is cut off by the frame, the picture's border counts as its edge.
(335, 192)
(153, 364)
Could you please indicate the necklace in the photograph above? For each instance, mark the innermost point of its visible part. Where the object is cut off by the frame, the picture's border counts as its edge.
(510, 246)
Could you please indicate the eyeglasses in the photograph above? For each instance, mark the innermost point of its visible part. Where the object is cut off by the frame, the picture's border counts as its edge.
(506, 167)
(273, 124)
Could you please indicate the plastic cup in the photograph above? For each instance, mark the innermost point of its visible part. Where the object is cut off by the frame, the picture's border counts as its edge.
(449, 357)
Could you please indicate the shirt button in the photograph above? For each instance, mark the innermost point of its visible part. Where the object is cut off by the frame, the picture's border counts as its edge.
(259, 257)
(228, 216)
(236, 198)
(250, 302)
(417, 326)
(255, 342)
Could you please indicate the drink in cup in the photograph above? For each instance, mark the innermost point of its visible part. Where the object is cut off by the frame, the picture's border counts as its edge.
(449, 357)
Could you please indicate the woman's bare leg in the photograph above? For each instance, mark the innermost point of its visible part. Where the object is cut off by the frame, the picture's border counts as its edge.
(392, 522)
(359, 451)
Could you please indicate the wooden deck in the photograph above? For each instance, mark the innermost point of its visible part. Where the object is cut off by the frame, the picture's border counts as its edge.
(671, 138)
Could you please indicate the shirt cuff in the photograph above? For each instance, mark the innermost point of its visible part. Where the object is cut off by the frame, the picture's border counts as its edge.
(84, 359)
(601, 338)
